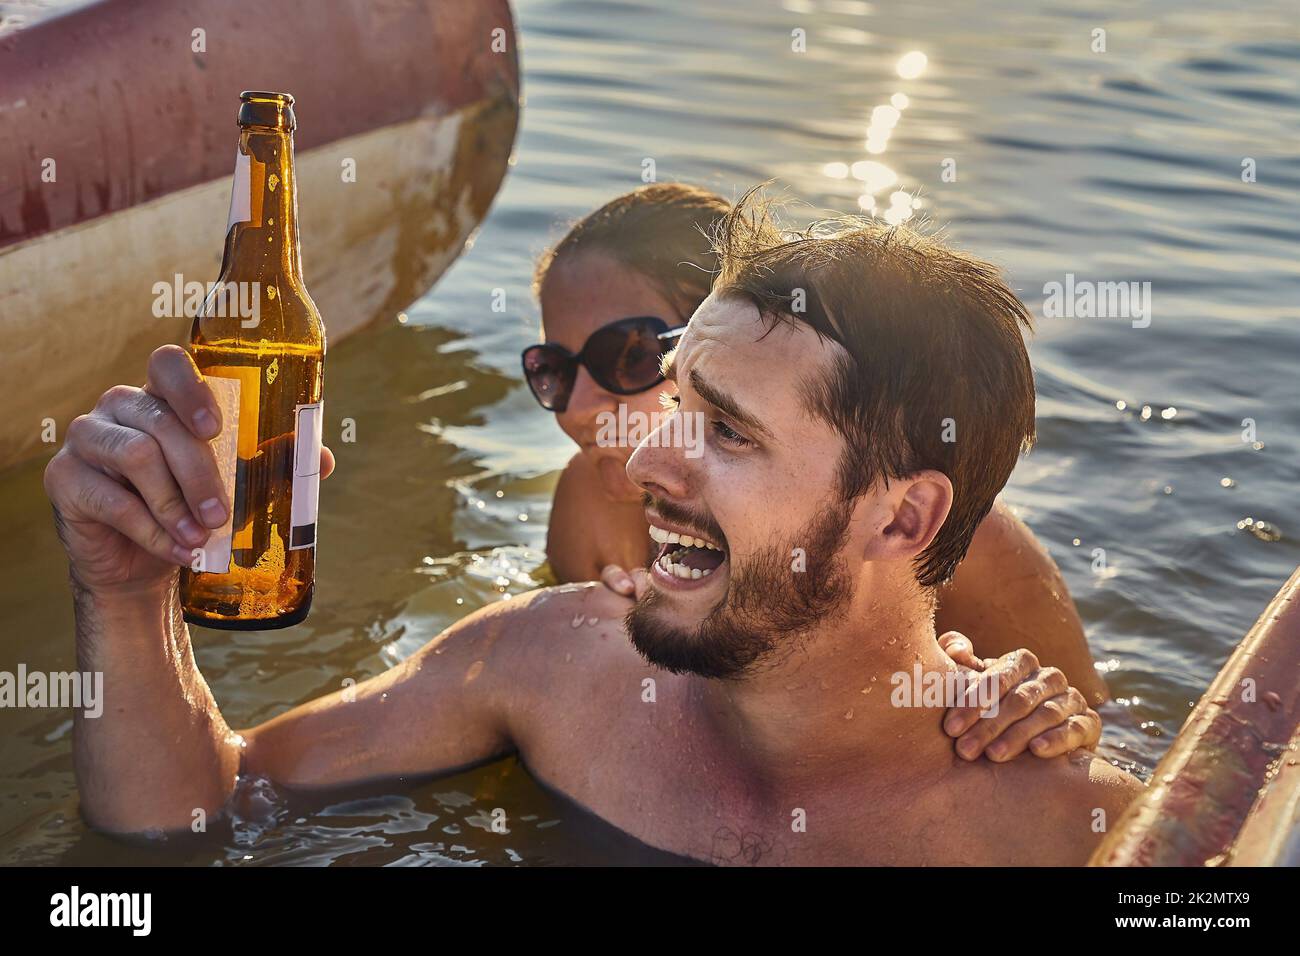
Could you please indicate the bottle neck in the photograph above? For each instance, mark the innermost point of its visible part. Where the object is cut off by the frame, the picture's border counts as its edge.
(262, 235)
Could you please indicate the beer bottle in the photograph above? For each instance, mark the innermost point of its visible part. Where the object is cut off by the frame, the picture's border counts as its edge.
(260, 344)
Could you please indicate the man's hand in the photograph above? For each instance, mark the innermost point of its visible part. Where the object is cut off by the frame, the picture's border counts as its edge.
(1038, 711)
(135, 487)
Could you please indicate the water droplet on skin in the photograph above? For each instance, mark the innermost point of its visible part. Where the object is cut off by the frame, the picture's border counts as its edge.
(578, 619)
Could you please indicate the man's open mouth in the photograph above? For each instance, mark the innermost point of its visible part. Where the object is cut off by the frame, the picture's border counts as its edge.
(686, 557)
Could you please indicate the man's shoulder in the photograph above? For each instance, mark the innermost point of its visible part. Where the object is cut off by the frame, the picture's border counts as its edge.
(570, 607)
(1062, 807)
(575, 626)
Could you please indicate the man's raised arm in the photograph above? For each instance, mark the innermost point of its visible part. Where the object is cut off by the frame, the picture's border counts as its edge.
(134, 489)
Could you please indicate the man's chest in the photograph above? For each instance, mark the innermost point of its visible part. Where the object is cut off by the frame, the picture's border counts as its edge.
(661, 781)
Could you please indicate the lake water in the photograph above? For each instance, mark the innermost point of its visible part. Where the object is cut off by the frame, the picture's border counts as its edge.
(1117, 166)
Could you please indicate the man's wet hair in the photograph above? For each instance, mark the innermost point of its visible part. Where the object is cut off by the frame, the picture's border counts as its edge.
(933, 342)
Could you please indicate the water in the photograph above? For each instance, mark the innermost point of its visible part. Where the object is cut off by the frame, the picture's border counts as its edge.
(1122, 166)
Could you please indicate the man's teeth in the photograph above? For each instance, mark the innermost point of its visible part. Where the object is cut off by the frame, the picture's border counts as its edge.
(671, 566)
(661, 536)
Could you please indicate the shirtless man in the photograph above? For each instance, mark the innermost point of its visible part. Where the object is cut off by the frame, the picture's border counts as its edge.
(744, 715)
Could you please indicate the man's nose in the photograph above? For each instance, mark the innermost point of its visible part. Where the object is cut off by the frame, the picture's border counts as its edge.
(660, 466)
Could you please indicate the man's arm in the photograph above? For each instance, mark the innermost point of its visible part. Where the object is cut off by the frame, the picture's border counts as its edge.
(134, 488)
(162, 749)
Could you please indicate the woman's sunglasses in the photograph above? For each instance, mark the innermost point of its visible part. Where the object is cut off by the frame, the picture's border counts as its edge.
(622, 357)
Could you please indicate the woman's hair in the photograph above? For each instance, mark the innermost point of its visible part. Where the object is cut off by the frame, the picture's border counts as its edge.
(662, 231)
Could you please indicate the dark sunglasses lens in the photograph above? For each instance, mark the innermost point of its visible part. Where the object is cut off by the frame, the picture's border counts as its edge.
(624, 357)
(550, 374)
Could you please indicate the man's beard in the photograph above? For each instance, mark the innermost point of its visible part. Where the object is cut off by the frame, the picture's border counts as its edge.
(768, 605)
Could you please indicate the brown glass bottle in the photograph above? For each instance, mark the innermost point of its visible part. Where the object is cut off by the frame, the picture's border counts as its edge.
(260, 343)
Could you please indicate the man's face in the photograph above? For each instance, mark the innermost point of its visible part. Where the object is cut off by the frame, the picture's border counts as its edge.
(767, 553)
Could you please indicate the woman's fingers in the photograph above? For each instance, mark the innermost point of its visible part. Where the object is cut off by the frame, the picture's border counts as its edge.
(640, 582)
(617, 580)
(1017, 704)
(958, 646)
(1079, 731)
(1049, 714)
(998, 678)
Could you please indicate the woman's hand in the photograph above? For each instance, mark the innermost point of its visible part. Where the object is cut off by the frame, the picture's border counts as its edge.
(1038, 711)
(627, 583)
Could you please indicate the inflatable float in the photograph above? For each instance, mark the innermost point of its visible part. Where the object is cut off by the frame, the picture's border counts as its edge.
(117, 145)
(1228, 791)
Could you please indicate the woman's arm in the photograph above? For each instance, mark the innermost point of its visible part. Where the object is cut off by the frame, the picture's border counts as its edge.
(589, 531)
(1009, 593)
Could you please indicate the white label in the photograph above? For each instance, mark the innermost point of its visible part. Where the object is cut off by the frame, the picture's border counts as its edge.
(306, 475)
(240, 193)
(216, 552)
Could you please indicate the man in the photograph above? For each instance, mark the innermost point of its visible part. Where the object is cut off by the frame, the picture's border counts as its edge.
(866, 396)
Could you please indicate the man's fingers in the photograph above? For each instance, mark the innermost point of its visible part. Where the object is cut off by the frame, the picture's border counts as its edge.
(617, 580)
(326, 462)
(175, 379)
(109, 447)
(190, 459)
(81, 493)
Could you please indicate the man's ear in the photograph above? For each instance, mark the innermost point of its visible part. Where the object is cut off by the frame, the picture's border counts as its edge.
(915, 509)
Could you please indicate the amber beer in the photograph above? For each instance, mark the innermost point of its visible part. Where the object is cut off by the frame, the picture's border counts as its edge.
(264, 365)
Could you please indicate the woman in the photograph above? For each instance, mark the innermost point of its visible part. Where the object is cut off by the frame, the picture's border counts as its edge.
(609, 290)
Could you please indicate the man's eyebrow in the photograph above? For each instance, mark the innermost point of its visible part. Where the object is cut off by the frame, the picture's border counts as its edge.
(727, 405)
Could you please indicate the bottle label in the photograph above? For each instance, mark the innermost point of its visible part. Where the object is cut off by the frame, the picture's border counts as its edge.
(240, 193)
(246, 191)
(216, 551)
(306, 475)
